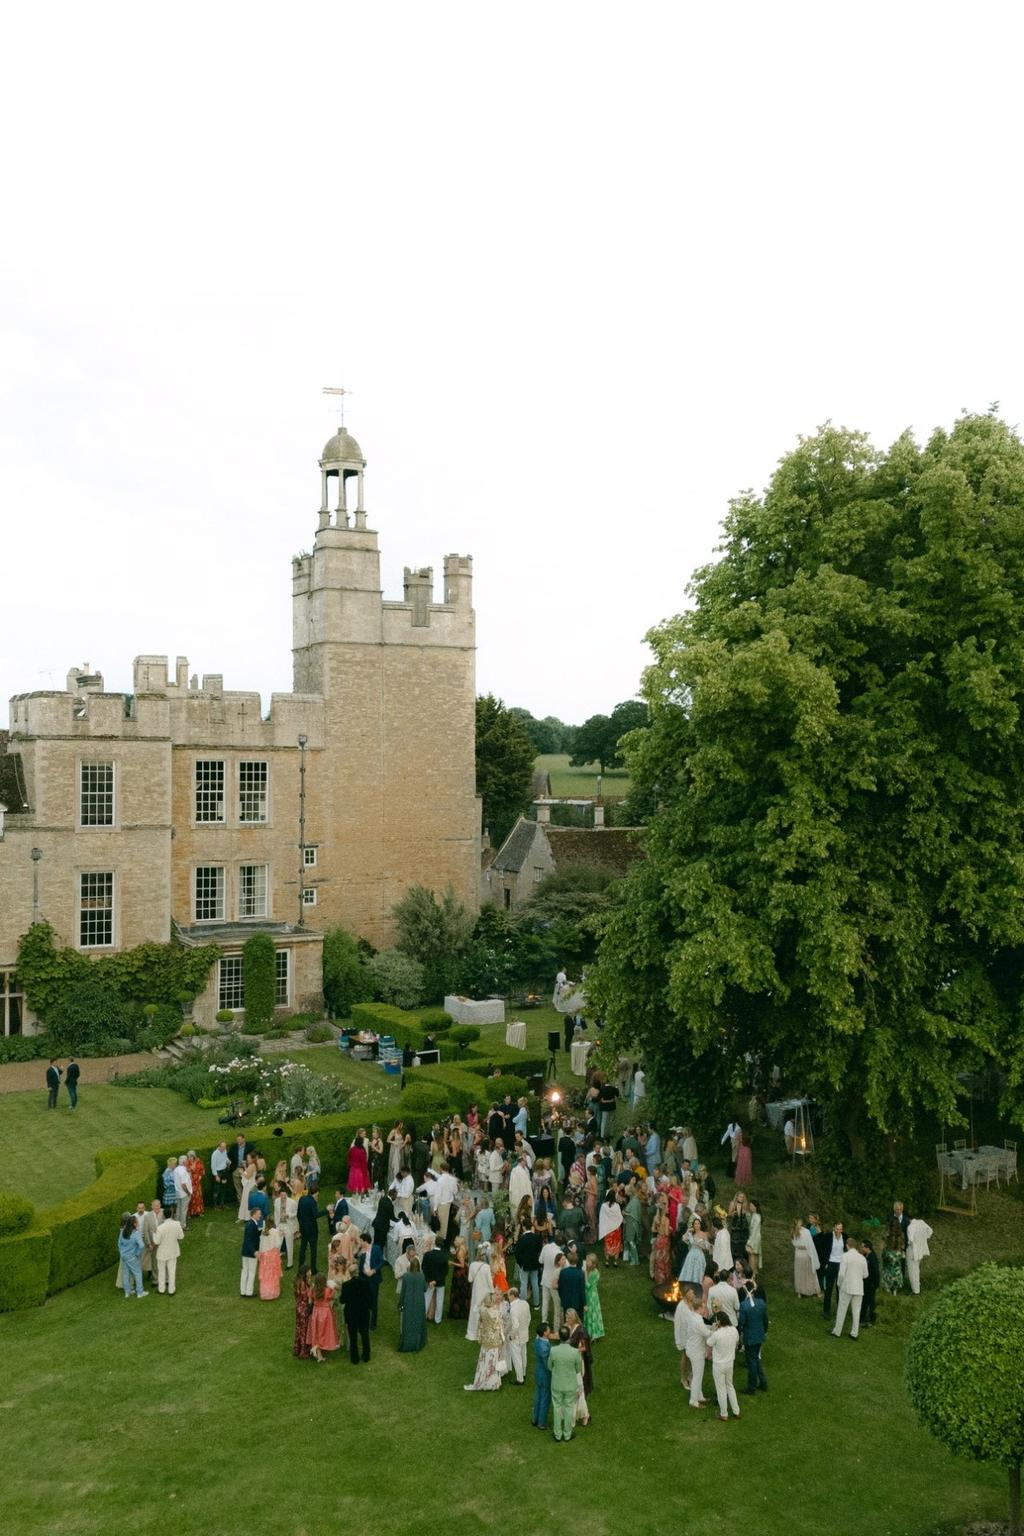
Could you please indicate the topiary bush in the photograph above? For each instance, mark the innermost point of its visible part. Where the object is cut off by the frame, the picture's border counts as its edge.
(435, 1020)
(963, 1371)
(396, 978)
(259, 980)
(15, 1212)
(224, 1016)
(88, 1013)
(464, 1034)
(425, 1098)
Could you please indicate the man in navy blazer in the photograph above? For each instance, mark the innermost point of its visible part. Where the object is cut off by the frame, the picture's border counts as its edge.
(572, 1289)
(371, 1262)
(53, 1084)
(753, 1332)
(308, 1214)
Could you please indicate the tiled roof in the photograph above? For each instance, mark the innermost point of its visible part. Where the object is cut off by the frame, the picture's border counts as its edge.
(515, 850)
(611, 848)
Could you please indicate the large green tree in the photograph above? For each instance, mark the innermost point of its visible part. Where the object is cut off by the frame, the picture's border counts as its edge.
(504, 766)
(598, 740)
(436, 933)
(834, 872)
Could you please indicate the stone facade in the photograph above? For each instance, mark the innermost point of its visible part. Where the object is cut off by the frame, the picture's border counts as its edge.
(182, 807)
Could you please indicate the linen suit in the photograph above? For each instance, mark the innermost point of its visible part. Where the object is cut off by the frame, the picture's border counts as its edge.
(853, 1271)
(566, 1369)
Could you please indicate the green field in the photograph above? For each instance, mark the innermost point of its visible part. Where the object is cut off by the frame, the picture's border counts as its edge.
(570, 783)
(196, 1399)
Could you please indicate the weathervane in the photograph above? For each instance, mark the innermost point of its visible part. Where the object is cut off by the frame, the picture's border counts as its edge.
(339, 394)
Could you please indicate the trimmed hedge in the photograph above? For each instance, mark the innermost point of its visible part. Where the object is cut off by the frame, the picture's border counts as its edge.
(15, 1213)
(71, 1241)
(24, 1269)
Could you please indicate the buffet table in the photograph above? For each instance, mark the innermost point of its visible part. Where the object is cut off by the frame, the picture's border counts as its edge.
(515, 1035)
(467, 1010)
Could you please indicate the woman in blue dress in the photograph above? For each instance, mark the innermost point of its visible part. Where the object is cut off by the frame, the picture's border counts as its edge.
(697, 1250)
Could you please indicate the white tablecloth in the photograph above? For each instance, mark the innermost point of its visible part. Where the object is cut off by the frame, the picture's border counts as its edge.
(515, 1036)
(468, 1010)
(980, 1165)
(578, 1054)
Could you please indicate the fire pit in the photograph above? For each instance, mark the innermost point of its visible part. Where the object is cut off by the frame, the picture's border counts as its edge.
(669, 1296)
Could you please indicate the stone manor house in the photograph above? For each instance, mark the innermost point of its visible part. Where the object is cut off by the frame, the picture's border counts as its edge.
(181, 808)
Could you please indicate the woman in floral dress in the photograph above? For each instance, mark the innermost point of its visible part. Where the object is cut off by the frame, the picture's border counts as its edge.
(303, 1307)
(491, 1364)
(196, 1170)
(592, 1316)
(661, 1248)
(378, 1157)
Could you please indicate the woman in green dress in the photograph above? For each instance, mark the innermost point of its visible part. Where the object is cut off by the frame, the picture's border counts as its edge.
(412, 1302)
(894, 1259)
(593, 1321)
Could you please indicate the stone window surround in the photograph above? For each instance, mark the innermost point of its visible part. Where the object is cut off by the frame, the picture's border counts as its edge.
(81, 909)
(262, 907)
(96, 762)
(231, 890)
(11, 995)
(230, 800)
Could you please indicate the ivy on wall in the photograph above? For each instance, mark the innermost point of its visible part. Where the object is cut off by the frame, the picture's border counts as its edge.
(163, 974)
(259, 971)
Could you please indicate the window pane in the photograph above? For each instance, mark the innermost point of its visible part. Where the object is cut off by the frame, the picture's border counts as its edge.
(309, 896)
(209, 892)
(96, 910)
(281, 980)
(230, 993)
(96, 808)
(209, 791)
(309, 855)
(252, 791)
(252, 890)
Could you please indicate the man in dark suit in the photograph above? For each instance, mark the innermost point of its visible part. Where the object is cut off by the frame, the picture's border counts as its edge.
(308, 1214)
(239, 1152)
(71, 1075)
(495, 1123)
(566, 1154)
(572, 1289)
(250, 1251)
(53, 1085)
(420, 1158)
(753, 1332)
(371, 1261)
(355, 1299)
(568, 1030)
(868, 1315)
(834, 1249)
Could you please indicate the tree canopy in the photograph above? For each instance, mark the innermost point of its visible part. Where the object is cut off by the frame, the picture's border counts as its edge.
(547, 735)
(504, 766)
(598, 739)
(834, 869)
(437, 934)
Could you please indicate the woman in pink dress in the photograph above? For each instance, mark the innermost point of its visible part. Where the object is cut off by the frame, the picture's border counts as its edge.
(323, 1330)
(358, 1177)
(268, 1263)
(744, 1162)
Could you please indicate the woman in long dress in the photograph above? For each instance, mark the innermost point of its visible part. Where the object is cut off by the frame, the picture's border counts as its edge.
(609, 1228)
(593, 1317)
(396, 1140)
(268, 1263)
(196, 1170)
(481, 1286)
(491, 1364)
(358, 1174)
(248, 1185)
(383, 1216)
(303, 1308)
(412, 1306)
(459, 1305)
(378, 1157)
(698, 1250)
(744, 1161)
(579, 1339)
(323, 1329)
(312, 1170)
(591, 1196)
(894, 1258)
(661, 1249)
(805, 1262)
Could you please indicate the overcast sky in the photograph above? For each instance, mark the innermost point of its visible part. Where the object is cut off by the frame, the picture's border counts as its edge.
(588, 269)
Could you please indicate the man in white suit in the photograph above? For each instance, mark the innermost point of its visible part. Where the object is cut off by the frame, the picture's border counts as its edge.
(853, 1271)
(918, 1234)
(518, 1334)
(168, 1246)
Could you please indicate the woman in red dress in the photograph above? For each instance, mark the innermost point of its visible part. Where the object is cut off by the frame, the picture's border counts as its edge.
(196, 1170)
(358, 1176)
(323, 1330)
(303, 1307)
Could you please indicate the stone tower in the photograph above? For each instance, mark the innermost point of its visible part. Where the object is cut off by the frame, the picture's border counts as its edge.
(392, 801)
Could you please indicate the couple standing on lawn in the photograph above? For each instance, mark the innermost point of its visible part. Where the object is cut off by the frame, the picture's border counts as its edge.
(53, 1077)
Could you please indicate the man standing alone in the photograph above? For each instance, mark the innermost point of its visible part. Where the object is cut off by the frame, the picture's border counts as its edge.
(566, 1365)
(52, 1083)
(71, 1075)
(853, 1271)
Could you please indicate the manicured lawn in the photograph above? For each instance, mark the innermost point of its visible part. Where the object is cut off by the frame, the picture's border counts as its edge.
(179, 1413)
(49, 1154)
(367, 1083)
(567, 783)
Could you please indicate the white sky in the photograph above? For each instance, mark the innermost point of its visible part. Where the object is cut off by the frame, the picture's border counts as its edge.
(589, 270)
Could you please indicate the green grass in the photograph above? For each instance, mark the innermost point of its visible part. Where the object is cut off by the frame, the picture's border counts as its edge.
(569, 783)
(49, 1154)
(369, 1087)
(121, 1396)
